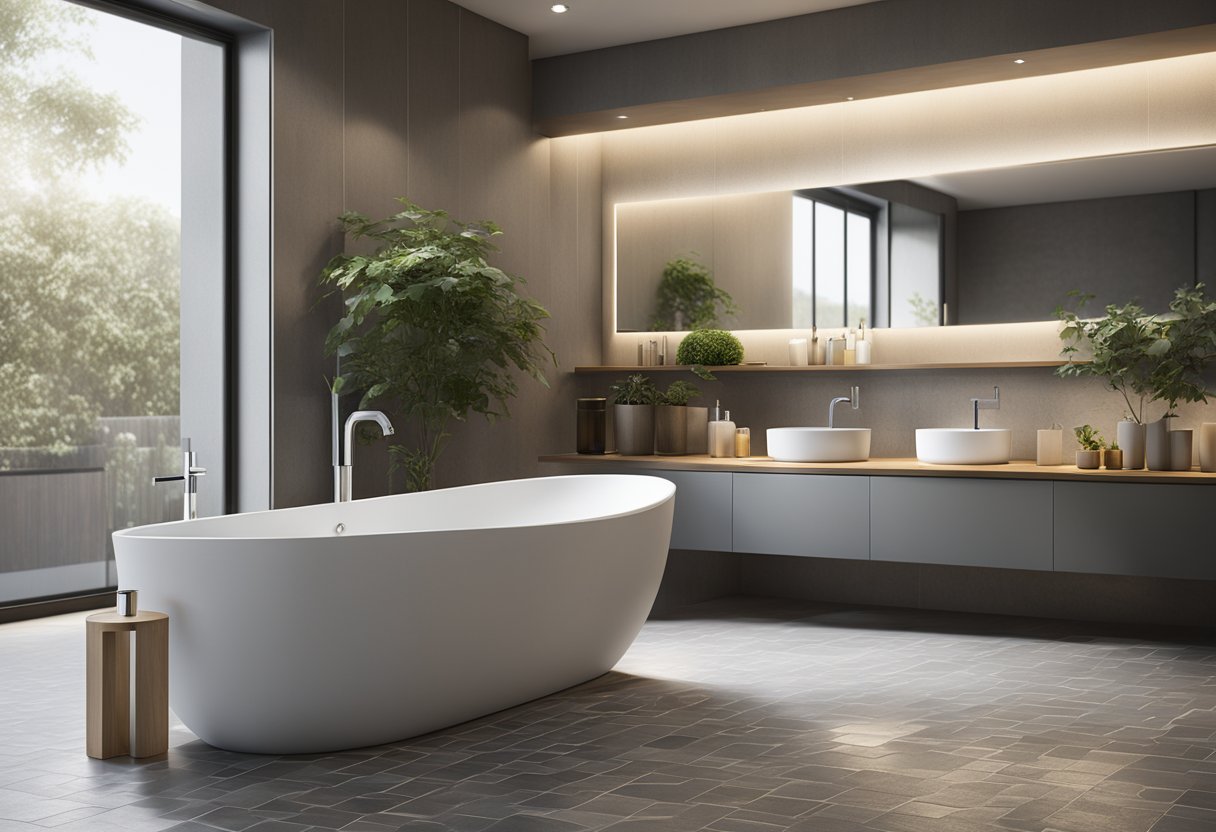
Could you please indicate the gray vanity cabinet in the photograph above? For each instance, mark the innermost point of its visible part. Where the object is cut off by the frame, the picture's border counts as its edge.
(962, 522)
(802, 514)
(1161, 530)
(703, 509)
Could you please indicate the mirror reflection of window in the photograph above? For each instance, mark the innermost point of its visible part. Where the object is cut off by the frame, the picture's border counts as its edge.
(833, 264)
(916, 267)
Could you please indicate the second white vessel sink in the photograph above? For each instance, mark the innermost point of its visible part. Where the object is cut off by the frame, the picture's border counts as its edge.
(819, 444)
(964, 446)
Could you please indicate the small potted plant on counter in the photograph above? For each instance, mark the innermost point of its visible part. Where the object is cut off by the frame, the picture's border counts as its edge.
(671, 419)
(1090, 455)
(1113, 457)
(633, 401)
(1119, 347)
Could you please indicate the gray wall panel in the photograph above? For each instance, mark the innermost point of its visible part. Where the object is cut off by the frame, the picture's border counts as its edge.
(1019, 263)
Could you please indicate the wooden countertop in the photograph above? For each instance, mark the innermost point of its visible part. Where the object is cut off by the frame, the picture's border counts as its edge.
(1016, 470)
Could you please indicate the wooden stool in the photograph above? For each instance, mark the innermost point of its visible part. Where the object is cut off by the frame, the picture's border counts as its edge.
(108, 668)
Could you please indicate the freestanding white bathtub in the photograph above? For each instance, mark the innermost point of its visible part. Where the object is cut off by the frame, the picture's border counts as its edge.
(350, 624)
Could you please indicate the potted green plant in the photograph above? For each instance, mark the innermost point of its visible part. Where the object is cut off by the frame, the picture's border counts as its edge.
(671, 418)
(633, 401)
(431, 327)
(1118, 345)
(1112, 457)
(688, 298)
(709, 348)
(1091, 442)
(1183, 351)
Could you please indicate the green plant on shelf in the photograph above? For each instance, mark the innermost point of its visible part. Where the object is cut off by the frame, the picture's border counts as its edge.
(1088, 438)
(709, 347)
(634, 389)
(678, 393)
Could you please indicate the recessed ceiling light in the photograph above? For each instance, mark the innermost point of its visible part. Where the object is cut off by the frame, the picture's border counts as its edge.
(1018, 61)
(850, 98)
(559, 8)
(622, 116)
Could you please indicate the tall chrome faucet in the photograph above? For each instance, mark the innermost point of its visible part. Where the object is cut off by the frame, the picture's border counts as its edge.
(984, 404)
(189, 480)
(344, 463)
(854, 398)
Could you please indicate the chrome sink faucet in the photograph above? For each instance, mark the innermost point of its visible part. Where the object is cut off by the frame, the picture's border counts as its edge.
(344, 465)
(854, 398)
(189, 479)
(984, 404)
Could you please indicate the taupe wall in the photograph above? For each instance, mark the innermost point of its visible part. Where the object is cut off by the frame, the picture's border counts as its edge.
(375, 99)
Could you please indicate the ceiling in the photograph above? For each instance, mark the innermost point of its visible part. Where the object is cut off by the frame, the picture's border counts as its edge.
(1186, 169)
(595, 24)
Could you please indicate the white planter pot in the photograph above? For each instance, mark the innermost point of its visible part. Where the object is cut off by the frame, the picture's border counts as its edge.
(1130, 436)
(1157, 450)
(1089, 460)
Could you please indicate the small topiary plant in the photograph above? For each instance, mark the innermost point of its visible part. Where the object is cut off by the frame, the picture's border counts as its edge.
(712, 347)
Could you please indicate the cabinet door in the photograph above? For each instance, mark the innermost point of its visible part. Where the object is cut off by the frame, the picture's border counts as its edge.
(802, 514)
(1158, 530)
(961, 522)
(702, 515)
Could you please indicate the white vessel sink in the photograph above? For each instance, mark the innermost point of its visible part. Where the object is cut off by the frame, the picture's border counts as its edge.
(819, 444)
(964, 446)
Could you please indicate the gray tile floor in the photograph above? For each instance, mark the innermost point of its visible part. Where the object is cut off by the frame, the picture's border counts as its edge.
(742, 715)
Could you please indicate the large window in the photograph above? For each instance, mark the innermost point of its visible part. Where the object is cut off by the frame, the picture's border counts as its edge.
(833, 261)
(91, 281)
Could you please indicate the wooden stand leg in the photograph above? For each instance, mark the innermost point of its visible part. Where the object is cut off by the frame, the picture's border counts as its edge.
(152, 689)
(108, 668)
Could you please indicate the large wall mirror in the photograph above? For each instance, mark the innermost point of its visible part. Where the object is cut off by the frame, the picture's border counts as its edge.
(978, 247)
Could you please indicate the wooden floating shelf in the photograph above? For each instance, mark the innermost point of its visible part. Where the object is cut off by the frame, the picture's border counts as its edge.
(833, 368)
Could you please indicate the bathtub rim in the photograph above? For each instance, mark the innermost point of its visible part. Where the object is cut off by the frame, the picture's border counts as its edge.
(667, 487)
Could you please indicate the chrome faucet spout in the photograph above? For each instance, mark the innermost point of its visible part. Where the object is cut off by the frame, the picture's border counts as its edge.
(191, 471)
(854, 399)
(344, 466)
(984, 404)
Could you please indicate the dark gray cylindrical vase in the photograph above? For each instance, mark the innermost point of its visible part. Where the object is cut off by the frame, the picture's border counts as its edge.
(592, 425)
(1157, 450)
(671, 430)
(634, 427)
(1131, 439)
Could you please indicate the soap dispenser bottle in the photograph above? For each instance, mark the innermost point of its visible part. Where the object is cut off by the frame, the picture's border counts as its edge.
(721, 436)
(864, 347)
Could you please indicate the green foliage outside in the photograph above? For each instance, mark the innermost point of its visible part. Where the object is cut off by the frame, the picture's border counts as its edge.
(923, 310)
(710, 347)
(1158, 357)
(88, 290)
(688, 298)
(432, 331)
